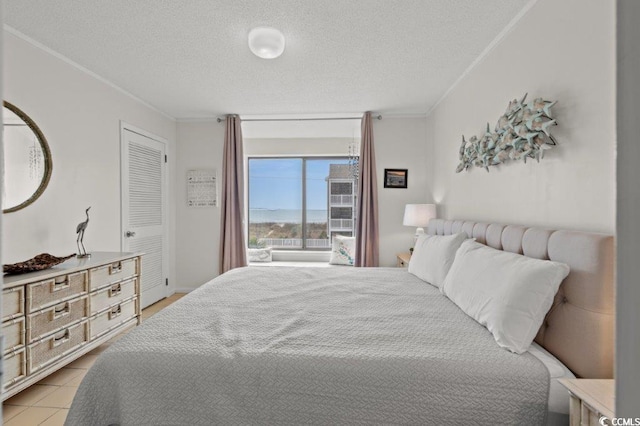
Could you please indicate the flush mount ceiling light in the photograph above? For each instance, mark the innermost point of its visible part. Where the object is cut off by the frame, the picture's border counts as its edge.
(266, 42)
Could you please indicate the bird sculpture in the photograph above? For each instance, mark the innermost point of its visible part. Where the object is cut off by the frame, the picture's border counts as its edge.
(82, 226)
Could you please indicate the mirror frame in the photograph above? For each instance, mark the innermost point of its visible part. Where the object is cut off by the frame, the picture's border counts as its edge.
(46, 152)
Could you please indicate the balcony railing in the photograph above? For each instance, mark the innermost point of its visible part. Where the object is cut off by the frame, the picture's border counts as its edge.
(318, 243)
(341, 200)
(294, 242)
(343, 224)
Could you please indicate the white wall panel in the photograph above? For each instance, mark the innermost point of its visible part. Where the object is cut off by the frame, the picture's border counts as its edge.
(561, 51)
(80, 117)
(198, 228)
(399, 142)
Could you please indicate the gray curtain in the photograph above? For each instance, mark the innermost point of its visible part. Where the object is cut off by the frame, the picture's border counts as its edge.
(367, 209)
(233, 253)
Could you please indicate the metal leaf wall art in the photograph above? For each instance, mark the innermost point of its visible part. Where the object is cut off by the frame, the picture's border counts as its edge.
(521, 132)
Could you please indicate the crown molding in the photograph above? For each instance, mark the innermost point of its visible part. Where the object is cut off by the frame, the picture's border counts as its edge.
(197, 119)
(401, 115)
(302, 116)
(496, 41)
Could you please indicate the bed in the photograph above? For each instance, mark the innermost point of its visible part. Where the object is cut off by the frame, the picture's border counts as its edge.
(355, 346)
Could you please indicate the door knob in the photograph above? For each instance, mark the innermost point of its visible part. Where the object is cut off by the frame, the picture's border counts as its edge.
(129, 234)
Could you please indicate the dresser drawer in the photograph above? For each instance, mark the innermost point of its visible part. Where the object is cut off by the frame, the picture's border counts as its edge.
(112, 295)
(13, 368)
(55, 346)
(12, 303)
(14, 332)
(57, 317)
(51, 292)
(113, 317)
(109, 274)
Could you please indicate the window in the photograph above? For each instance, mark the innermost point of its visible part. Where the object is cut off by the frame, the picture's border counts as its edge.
(299, 203)
(341, 188)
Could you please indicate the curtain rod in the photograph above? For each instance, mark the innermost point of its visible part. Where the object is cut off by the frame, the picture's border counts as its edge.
(378, 117)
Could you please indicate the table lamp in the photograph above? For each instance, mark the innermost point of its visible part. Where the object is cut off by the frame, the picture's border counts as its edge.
(418, 215)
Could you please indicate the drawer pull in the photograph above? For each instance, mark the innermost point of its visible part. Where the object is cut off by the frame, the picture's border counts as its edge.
(60, 311)
(115, 290)
(115, 312)
(116, 268)
(60, 285)
(60, 338)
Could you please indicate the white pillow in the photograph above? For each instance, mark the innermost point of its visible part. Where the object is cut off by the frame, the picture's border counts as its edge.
(433, 255)
(260, 254)
(508, 293)
(343, 250)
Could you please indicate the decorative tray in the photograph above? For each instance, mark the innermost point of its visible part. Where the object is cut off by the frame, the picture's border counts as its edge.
(38, 263)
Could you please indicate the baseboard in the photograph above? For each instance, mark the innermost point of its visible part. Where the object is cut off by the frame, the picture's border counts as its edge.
(183, 290)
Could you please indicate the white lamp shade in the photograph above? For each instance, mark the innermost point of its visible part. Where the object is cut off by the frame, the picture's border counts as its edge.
(266, 42)
(418, 214)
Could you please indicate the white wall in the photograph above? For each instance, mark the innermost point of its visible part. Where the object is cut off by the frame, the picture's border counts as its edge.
(80, 117)
(628, 201)
(400, 144)
(198, 229)
(297, 146)
(561, 51)
(1, 158)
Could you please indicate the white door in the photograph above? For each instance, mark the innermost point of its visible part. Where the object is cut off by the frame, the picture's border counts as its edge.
(144, 192)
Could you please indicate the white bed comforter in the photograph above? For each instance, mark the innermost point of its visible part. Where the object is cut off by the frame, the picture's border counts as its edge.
(294, 346)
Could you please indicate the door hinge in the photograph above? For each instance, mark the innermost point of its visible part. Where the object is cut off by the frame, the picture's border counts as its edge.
(165, 158)
(166, 281)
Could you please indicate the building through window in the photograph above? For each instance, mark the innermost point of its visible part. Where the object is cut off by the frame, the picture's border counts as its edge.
(342, 200)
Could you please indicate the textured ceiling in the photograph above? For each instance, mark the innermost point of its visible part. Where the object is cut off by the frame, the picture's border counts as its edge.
(190, 59)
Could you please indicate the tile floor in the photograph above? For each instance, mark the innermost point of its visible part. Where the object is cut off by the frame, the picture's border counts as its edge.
(48, 401)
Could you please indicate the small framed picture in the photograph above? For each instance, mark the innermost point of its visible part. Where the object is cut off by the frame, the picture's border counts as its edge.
(395, 178)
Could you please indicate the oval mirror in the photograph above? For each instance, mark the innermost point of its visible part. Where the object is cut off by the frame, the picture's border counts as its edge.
(27, 160)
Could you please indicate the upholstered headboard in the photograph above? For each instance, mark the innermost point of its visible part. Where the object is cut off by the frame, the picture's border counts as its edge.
(579, 328)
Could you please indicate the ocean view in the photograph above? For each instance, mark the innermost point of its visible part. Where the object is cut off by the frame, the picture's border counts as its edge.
(286, 216)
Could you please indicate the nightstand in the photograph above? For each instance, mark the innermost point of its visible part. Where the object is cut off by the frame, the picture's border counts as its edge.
(403, 260)
(590, 400)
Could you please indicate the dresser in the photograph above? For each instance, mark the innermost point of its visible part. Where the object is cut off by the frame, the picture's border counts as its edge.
(52, 317)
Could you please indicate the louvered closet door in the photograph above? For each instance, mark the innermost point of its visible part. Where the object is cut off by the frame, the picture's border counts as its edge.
(144, 190)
